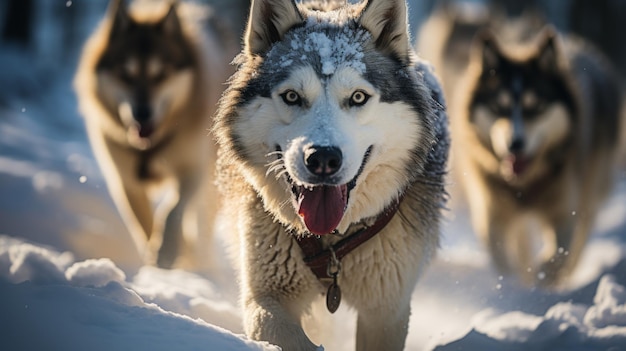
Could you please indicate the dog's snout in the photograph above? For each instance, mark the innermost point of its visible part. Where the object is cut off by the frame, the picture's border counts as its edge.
(142, 113)
(517, 145)
(323, 160)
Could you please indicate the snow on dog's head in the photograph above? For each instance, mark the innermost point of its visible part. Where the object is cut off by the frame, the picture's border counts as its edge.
(326, 103)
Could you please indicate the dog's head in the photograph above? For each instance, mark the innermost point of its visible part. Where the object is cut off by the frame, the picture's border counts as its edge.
(521, 106)
(326, 112)
(145, 71)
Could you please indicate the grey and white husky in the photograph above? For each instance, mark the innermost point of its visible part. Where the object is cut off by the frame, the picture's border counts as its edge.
(535, 127)
(332, 152)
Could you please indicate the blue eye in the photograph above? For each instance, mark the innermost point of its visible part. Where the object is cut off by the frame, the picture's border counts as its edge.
(291, 98)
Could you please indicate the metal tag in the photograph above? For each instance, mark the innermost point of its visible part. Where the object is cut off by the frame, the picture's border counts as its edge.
(333, 296)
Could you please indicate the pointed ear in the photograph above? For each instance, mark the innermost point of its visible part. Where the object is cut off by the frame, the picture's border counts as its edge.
(387, 21)
(487, 49)
(548, 54)
(268, 22)
(118, 12)
(170, 23)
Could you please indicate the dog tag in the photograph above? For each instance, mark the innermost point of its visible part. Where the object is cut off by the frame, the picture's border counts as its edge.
(333, 296)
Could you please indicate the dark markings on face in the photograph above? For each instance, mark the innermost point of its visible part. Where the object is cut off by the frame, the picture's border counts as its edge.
(386, 73)
(525, 89)
(146, 52)
(392, 79)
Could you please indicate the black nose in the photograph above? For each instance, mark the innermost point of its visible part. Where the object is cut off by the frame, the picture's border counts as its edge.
(517, 145)
(323, 160)
(142, 113)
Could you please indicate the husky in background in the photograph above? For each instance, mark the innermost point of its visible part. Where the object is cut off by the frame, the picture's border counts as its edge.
(331, 131)
(147, 83)
(535, 124)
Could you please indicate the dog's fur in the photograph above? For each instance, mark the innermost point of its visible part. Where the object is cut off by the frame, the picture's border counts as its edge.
(535, 126)
(148, 82)
(344, 80)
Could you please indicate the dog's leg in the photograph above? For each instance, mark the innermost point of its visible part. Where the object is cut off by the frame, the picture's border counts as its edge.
(276, 285)
(599, 180)
(173, 236)
(488, 220)
(199, 248)
(570, 242)
(383, 328)
(199, 229)
(135, 208)
(134, 199)
(552, 272)
(119, 166)
(267, 319)
(577, 242)
(499, 242)
(520, 247)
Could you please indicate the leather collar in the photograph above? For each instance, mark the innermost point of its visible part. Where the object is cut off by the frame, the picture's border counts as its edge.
(318, 258)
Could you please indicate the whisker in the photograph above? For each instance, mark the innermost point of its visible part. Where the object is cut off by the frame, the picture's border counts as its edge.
(270, 170)
(275, 166)
(281, 173)
(274, 162)
(284, 203)
(274, 153)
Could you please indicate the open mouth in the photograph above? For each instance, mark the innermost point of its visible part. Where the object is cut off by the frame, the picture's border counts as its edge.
(137, 120)
(517, 163)
(322, 206)
(144, 130)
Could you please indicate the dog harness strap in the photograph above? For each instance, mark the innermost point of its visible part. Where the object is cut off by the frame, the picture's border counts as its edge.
(318, 258)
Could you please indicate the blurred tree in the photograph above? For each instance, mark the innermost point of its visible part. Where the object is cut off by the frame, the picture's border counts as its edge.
(70, 34)
(603, 23)
(18, 22)
(514, 7)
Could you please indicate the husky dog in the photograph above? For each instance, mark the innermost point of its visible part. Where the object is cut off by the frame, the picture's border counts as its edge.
(535, 137)
(148, 82)
(331, 133)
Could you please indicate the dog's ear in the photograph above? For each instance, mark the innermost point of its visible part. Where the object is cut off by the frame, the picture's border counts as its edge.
(548, 53)
(170, 23)
(268, 22)
(118, 12)
(387, 21)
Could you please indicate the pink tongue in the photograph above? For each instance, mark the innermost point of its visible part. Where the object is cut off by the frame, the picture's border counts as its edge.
(322, 208)
(519, 164)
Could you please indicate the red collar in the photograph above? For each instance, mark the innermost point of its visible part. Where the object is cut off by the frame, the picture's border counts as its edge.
(319, 259)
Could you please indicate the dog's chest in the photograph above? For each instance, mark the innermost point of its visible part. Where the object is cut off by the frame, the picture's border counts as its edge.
(382, 266)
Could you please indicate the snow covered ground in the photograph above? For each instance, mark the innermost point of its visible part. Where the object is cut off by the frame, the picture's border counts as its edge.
(70, 278)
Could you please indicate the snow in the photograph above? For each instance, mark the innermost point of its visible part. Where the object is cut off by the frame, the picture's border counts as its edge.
(50, 301)
(70, 278)
(565, 326)
(333, 48)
